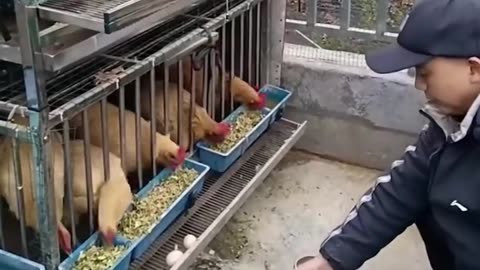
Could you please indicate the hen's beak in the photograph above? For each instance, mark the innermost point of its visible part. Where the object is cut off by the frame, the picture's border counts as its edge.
(221, 132)
(108, 237)
(178, 159)
(259, 103)
(64, 239)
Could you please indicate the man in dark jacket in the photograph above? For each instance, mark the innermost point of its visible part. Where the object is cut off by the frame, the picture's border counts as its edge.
(436, 185)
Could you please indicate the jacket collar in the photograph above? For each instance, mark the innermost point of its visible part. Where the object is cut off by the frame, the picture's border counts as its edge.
(453, 129)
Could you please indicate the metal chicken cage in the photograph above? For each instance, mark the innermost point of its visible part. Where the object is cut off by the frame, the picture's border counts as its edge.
(81, 55)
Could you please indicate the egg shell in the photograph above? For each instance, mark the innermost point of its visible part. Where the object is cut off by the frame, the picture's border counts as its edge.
(189, 241)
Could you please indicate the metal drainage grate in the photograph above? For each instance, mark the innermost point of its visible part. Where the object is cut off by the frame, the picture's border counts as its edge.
(226, 191)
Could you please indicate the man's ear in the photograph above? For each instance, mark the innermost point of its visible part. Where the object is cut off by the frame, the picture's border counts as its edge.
(474, 63)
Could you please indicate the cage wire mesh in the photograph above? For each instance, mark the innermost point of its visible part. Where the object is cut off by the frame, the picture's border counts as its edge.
(343, 48)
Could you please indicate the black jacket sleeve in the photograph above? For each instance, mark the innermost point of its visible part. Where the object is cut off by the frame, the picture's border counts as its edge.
(385, 211)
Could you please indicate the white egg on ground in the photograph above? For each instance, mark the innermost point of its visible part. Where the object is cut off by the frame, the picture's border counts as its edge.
(174, 256)
(189, 241)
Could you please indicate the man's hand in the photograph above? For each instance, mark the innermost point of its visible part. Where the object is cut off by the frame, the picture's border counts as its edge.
(317, 263)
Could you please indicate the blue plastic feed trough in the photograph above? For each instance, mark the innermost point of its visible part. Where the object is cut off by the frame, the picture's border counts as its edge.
(220, 162)
(182, 203)
(122, 263)
(276, 100)
(9, 261)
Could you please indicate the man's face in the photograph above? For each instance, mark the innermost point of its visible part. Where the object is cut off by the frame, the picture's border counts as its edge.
(451, 84)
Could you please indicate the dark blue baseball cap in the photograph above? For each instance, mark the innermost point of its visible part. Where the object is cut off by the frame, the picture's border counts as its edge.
(445, 28)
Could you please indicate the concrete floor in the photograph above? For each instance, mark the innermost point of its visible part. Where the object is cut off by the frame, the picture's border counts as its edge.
(290, 214)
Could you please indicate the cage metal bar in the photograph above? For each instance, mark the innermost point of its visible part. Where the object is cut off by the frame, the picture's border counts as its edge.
(192, 108)
(165, 98)
(213, 80)
(138, 133)
(121, 120)
(105, 139)
(242, 46)
(35, 82)
(204, 38)
(250, 44)
(2, 235)
(205, 84)
(257, 56)
(17, 109)
(180, 102)
(109, 18)
(97, 93)
(235, 12)
(20, 198)
(153, 121)
(20, 132)
(232, 61)
(88, 170)
(224, 33)
(67, 155)
(84, 100)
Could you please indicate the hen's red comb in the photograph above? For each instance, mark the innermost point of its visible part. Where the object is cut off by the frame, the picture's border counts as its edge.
(223, 129)
(181, 154)
(258, 105)
(109, 237)
(180, 158)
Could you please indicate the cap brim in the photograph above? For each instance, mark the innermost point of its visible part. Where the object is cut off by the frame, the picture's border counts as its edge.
(394, 58)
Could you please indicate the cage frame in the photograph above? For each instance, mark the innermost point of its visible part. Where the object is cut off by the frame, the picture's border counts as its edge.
(42, 119)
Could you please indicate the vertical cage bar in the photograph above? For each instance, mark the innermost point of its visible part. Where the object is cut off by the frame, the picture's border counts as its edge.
(192, 108)
(180, 102)
(232, 62)
(47, 218)
(250, 44)
(2, 235)
(224, 33)
(20, 198)
(205, 84)
(35, 82)
(68, 177)
(153, 122)
(242, 44)
(105, 140)
(165, 98)
(88, 170)
(257, 55)
(213, 80)
(122, 126)
(138, 133)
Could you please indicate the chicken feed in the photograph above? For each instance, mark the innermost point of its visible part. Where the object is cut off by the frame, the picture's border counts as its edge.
(244, 123)
(99, 258)
(148, 210)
